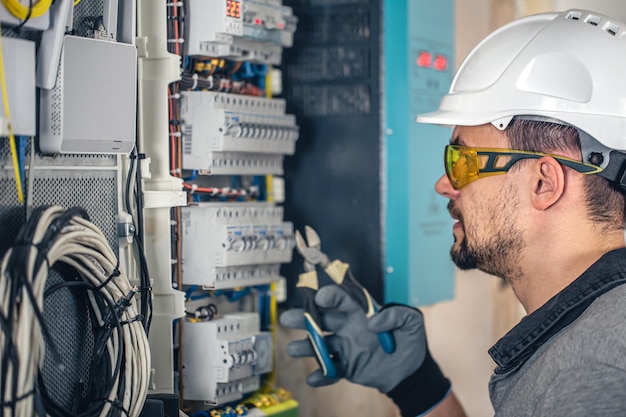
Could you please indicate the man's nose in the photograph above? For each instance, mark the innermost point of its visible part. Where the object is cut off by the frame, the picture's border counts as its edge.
(444, 188)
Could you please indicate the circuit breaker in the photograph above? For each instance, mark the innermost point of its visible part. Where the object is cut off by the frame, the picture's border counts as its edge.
(228, 244)
(228, 135)
(248, 30)
(223, 358)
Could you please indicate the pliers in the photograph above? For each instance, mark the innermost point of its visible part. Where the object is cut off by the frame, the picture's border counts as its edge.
(340, 273)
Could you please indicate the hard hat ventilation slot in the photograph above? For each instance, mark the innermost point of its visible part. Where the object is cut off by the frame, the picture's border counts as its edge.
(574, 15)
(611, 28)
(592, 20)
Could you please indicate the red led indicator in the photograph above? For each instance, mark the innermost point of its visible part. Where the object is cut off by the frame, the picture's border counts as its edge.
(441, 63)
(257, 21)
(424, 59)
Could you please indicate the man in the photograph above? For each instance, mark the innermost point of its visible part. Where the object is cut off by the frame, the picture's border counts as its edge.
(535, 178)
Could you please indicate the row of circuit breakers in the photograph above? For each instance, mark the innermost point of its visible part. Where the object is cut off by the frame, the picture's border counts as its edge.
(233, 244)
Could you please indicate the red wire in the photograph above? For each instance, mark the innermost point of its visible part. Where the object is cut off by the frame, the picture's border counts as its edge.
(176, 46)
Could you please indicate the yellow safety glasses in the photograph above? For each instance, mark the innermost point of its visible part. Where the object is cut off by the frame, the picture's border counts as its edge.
(464, 164)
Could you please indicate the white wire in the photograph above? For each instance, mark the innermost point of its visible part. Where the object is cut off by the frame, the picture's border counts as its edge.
(81, 245)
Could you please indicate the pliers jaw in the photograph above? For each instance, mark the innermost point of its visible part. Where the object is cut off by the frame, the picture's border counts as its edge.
(311, 251)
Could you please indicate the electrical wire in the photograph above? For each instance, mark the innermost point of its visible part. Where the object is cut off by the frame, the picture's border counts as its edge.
(120, 363)
(7, 114)
(22, 12)
(133, 176)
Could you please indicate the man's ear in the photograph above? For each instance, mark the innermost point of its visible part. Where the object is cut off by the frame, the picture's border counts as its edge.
(548, 183)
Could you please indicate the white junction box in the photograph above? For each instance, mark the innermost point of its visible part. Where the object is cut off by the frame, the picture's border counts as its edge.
(233, 234)
(224, 357)
(92, 107)
(19, 70)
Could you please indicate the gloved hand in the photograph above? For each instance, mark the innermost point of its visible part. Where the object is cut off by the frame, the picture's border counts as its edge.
(359, 357)
(357, 352)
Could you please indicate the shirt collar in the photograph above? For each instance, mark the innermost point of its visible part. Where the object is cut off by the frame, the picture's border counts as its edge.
(512, 350)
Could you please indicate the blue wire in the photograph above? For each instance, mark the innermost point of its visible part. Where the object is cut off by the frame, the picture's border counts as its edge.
(21, 144)
(193, 176)
(190, 290)
(246, 70)
(259, 69)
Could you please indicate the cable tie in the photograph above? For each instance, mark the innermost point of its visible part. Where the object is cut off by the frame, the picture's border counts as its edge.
(138, 317)
(194, 187)
(194, 77)
(116, 273)
(117, 404)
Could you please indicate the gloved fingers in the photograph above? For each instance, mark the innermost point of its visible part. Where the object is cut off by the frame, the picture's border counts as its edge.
(292, 318)
(396, 318)
(333, 321)
(332, 296)
(300, 348)
(317, 379)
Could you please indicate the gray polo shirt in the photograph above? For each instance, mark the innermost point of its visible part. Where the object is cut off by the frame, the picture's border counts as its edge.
(569, 357)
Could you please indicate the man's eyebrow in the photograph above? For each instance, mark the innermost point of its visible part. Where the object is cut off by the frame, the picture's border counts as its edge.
(456, 140)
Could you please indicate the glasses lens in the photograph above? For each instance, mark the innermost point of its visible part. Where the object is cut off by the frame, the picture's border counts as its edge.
(461, 165)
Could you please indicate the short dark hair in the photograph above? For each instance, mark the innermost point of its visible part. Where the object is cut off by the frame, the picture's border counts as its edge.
(605, 202)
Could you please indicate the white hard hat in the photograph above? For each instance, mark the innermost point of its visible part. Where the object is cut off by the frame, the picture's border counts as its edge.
(566, 66)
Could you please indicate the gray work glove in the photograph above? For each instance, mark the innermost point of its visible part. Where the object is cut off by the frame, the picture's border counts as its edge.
(359, 357)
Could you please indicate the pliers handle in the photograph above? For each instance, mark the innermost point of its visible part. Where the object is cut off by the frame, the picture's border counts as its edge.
(340, 273)
(308, 286)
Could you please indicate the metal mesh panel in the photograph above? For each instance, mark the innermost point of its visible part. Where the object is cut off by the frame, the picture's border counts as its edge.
(95, 191)
(315, 101)
(67, 384)
(86, 15)
(329, 71)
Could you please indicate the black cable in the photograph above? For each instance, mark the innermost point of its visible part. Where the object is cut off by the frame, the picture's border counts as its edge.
(144, 275)
(17, 29)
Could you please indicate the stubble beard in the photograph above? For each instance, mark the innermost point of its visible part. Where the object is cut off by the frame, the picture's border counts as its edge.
(496, 252)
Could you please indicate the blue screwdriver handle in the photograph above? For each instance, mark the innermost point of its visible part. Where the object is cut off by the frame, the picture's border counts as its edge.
(314, 333)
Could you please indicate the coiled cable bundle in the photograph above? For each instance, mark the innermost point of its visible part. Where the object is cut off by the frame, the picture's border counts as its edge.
(120, 362)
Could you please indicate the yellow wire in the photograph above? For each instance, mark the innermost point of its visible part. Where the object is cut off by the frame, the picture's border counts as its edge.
(20, 11)
(76, 2)
(268, 82)
(7, 113)
(271, 379)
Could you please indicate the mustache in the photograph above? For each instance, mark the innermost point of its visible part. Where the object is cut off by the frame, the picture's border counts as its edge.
(454, 212)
